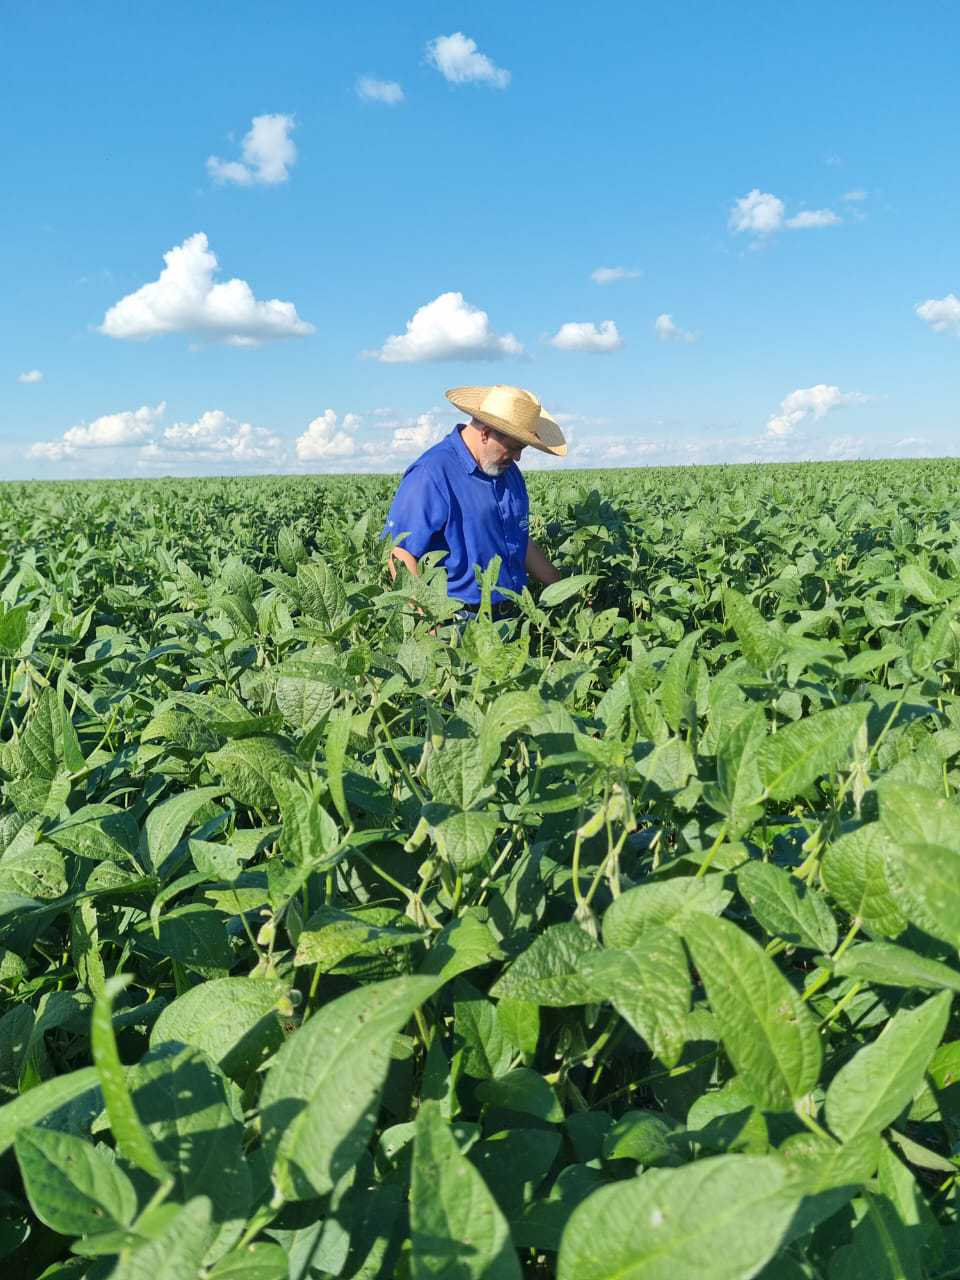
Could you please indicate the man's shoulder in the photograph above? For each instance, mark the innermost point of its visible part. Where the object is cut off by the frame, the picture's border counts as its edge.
(433, 461)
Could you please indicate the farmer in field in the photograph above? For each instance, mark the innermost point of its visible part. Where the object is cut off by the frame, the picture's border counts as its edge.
(466, 496)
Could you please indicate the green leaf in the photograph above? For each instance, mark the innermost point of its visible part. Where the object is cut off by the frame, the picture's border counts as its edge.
(938, 643)
(549, 971)
(43, 1098)
(643, 1136)
(43, 796)
(100, 831)
(679, 707)
(479, 1035)
(868, 660)
(884, 964)
(505, 715)
(667, 902)
(310, 837)
(247, 767)
(726, 1120)
(192, 935)
(457, 1230)
(75, 1188)
(760, 643)
(792, 759)
(827, 1174)
(166, 823)
(786, 908)
(13, 628)
(520, 1021)
(738, 787)
(871, 1090)
(767, 1031)
(854, 874)
(130, 1136)
(566, 588)
(331, 935)
(722, 1217)
(176, 1253)
(49, 742)
(464, 943)
(923, 857)
(649, 986)
(543, 1221)
(522, 1090)
(290, 549)
(186, 1107)
(182, 729)
(16, 1031)
(37, 873)
(463, 838)
(260, 1261)
(303, 700)
(882, 1246)
(926, 586)
(321, 593)
(338, 737)
(455, 773)
(319, 1098)
(233, 1020)
(669, 765)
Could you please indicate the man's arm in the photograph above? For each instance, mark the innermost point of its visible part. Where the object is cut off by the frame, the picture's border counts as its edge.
(539, 567)
(405, 558)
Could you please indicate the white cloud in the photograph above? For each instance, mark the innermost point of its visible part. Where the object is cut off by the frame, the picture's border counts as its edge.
(854, 197)
(846, 448)
(667, 331)
(761, 214)
(626, 453)
(810, 401)
(610, 275)
(111, 431)
(458, 60)
(215, 437)
(32, 375)
(812, 218)
(758, 212)
(587, 337)
(185, 299)
(322, 439)
(373, 90)
(448, 328)
(420, 435)
(268, 153)
(941, 314)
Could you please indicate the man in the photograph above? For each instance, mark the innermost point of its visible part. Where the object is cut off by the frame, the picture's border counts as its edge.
(466, 496)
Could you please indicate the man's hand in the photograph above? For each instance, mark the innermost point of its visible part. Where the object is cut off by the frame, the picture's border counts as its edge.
(539, 567)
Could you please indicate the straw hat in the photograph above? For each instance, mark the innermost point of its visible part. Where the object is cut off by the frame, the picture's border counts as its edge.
(515, 412)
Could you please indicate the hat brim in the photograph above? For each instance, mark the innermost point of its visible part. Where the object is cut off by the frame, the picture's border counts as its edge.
(545, 436)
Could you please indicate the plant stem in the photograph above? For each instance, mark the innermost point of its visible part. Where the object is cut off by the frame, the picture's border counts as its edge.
(704, 866)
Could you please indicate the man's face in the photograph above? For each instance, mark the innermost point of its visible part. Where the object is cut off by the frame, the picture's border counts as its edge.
(498, 452)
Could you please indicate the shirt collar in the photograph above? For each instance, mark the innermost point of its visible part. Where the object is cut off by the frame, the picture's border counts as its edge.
(467, 460)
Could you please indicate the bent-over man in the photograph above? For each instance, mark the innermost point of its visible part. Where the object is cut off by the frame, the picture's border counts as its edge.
(466, 496)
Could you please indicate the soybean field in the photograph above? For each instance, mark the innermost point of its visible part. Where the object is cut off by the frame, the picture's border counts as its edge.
(618, 941)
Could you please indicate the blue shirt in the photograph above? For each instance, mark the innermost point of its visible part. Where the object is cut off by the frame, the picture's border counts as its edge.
(445, 502)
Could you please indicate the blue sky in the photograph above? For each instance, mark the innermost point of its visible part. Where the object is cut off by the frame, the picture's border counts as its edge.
(777, 185)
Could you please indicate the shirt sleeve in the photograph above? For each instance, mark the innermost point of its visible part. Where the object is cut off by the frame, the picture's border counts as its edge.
(419, 510)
